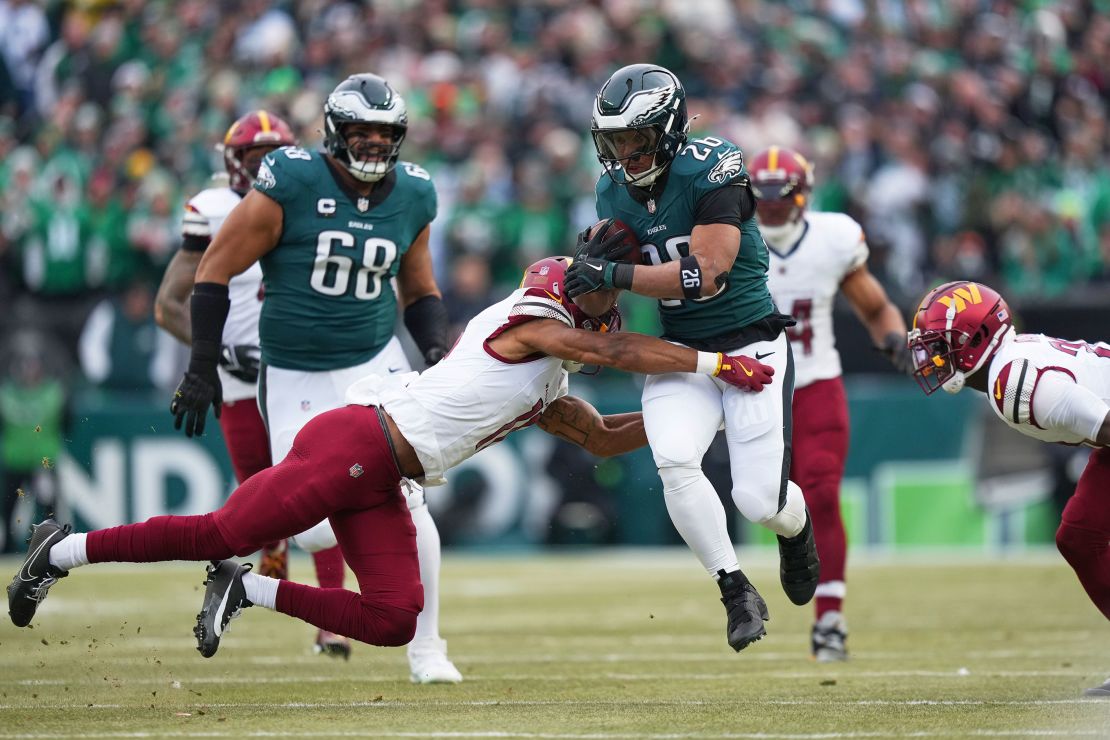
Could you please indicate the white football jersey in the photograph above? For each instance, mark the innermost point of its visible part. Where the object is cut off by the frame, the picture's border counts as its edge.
(804, 282)
(473, 398)
(204, 215)
(1027, 395)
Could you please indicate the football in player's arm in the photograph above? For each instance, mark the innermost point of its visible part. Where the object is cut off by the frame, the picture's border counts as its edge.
(1050, 389)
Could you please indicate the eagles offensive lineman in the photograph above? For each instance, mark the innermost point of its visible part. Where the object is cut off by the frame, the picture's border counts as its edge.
(331, 230)
(814, 256)
(690, 205)
(507, 371)
(1053, 390)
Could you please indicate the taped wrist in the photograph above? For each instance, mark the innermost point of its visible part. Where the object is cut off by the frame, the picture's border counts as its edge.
(208, 312)
(689, 272)
(709, 363)
(622, 275)
(426, 320)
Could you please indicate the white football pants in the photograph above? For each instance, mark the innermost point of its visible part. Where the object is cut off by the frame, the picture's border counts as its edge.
(683, 413)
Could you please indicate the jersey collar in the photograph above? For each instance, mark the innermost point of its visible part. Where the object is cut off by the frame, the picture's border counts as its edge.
(793, 247)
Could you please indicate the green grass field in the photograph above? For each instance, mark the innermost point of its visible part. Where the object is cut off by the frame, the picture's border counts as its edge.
(610, 644)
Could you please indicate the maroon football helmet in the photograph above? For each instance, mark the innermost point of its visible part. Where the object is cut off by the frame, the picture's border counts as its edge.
(546, 277)
(957, 329)
(781, 181)
(247, 141)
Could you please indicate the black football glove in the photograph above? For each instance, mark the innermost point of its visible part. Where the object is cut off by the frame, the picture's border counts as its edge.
(607, 243)
(199, 389)
(587, 274)
(242, 361)
(898, 352)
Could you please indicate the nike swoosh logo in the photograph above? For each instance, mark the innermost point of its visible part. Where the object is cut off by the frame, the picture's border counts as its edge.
(761, 356)
(32, 556)
(998, 388)
(592, 267)
(220, 612)
(747, 372)
(394, 369)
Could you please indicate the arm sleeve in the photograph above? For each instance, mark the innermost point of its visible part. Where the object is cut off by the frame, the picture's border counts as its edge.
(1061, 403)
(727, 205)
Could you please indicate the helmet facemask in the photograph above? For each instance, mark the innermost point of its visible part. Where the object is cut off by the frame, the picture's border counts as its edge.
(366, 99)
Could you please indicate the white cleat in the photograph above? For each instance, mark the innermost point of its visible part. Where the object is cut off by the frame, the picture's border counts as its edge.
(428, 662)
(829, 637)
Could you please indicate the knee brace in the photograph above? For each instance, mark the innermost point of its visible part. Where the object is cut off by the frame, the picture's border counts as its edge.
(319, 537)
(789, 521)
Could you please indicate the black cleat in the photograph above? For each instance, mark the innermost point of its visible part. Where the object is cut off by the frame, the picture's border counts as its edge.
(332, 645)
(1099, 692)
(224, 599)
(799, 567)
(745, 607)
(36, 575)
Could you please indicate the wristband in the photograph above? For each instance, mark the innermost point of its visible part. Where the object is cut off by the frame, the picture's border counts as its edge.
(622, 275)
(689, 274)
(709, 363)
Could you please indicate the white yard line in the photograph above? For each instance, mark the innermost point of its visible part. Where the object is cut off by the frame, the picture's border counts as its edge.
(587, 736)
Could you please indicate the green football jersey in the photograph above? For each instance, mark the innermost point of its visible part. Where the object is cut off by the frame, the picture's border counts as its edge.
(329, 303)
(663, 227)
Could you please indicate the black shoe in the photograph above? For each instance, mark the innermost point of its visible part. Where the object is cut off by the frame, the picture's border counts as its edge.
(799, 568)
(224, 599)
(745, 608)
(1099, 692)
(36, 575)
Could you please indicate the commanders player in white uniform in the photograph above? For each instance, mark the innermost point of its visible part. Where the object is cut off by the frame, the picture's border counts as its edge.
(1050, 389)
(247, 141)
(814, 256)
(506, 372)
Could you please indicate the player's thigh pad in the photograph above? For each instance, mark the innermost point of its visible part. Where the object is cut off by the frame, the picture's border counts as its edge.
(682, 413)
(757, 429)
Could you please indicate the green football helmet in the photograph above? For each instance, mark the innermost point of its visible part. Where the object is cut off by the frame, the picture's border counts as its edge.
(365, 98)
(639, 123)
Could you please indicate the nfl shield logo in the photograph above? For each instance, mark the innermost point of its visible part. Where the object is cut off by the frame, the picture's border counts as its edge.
(651, 205)
(355, 471)
(363, 204)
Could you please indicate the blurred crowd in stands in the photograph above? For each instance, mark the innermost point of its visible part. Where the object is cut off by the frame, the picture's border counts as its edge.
(969, 137)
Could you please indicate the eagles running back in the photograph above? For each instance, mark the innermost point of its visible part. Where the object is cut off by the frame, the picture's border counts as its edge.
(333, 306)
(663, 229)
(805, 280)
(204, 215)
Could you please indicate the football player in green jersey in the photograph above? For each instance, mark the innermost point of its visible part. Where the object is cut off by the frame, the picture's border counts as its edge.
(331, 229)
(690, 204)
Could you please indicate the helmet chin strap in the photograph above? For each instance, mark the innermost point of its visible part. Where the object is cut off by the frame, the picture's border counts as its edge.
(956, 383)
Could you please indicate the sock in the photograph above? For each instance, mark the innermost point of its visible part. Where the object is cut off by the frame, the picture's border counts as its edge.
(70, 552)
(261, 590)
(428, 551)
(699, 517)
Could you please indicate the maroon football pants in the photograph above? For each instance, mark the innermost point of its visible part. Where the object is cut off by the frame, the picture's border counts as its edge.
(341, 469)
(1084, 534)
(820, 439)
(248, 446)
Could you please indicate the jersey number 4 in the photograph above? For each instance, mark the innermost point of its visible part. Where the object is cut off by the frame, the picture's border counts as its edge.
(802, 333)
(331, 272)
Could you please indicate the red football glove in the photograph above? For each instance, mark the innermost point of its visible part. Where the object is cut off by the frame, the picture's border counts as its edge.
(744, 372)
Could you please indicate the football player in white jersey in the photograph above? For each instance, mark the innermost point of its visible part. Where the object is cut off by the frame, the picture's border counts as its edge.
(508, 370)
(245, 145)
(813, 256)
(1050, 389)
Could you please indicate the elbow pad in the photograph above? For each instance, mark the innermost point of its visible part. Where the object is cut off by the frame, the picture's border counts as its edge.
(426, 320)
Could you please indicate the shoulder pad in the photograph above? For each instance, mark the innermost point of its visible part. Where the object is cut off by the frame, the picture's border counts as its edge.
(412, 171)
(1012, 393)
(204, 206)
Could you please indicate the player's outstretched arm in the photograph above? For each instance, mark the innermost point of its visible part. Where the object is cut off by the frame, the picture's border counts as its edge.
(576, 421)
(637, 353)
(171, 307)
